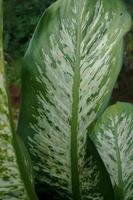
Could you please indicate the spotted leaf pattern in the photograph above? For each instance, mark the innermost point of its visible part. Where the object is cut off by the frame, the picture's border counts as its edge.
(69, 71)
(113, 137)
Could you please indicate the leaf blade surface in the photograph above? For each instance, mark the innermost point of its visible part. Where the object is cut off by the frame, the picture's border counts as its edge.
(69, 71)
(113, 137)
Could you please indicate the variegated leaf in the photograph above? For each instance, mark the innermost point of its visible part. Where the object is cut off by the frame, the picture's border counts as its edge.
(69, 71)
(14, 185)
(113, 137)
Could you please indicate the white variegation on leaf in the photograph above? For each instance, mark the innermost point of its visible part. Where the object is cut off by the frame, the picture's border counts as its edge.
(69, 71)
(12, 185)
(113, 137)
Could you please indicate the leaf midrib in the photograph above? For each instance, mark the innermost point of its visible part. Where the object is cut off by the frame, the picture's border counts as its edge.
(74, 119)
(119, 165)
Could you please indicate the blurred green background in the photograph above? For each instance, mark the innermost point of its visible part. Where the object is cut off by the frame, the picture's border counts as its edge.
(20, 20)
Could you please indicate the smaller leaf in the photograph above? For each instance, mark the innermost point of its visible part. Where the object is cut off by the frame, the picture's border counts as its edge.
(16, 181)
(113, 137)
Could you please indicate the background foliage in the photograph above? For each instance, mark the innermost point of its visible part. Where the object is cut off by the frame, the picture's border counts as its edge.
(20, 19)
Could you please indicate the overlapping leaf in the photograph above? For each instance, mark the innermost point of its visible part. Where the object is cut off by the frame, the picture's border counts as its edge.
(12, 185)
(113, 137)
(69, 71)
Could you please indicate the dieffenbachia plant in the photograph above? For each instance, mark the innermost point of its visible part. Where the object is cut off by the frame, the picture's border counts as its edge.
(15, 175)
(69, 71)
(113, 137)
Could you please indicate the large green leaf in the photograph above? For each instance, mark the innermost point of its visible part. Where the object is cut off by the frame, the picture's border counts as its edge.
(113, 137)
(69, 71)
(15, 175)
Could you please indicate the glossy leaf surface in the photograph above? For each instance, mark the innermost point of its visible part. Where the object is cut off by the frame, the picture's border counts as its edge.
(113, 137)
(12, 168)
(69, 71)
